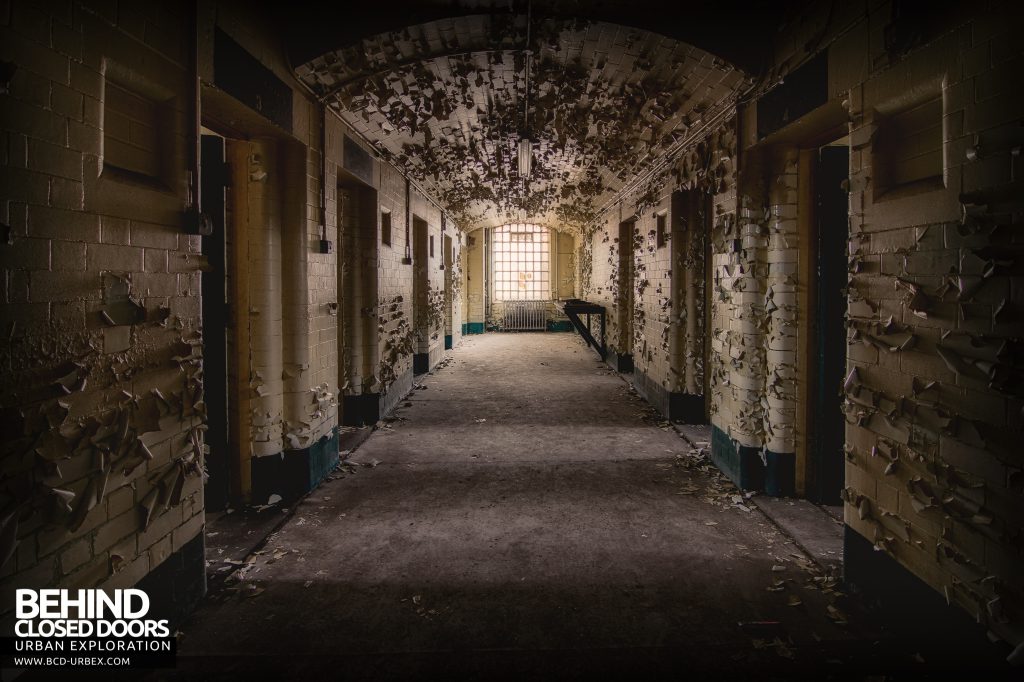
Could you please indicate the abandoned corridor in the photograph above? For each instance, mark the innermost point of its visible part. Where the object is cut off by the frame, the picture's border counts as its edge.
(291, 315)
(525, 512)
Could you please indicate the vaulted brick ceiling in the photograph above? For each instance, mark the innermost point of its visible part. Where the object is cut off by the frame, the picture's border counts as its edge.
(449, 100)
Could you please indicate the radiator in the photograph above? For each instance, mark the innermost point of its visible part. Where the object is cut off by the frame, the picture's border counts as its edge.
(521, 316)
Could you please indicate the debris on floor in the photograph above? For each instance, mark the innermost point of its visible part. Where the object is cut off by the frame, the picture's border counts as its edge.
(719, 490)
(511, 550)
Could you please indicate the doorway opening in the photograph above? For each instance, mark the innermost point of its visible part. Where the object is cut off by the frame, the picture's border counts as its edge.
(705, 300)
(689, 399)
(622, 356)
(420, 296)
(254, 311)
(827, 306)
(213, 150)
(357, 301)
(449, 302)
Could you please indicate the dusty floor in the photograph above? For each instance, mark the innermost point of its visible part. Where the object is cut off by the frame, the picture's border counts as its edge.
(525, 515)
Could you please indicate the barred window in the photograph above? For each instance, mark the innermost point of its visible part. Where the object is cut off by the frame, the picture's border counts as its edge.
(521, 262)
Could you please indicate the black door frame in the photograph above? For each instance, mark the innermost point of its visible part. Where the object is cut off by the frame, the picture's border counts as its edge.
(216, 491)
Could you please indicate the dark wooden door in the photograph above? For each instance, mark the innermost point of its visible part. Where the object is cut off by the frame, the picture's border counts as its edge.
(829, 333)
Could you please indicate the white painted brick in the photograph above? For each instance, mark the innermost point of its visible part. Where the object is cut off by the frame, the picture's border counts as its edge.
(67, 255)
(52, 159)
(33, 56)
(67, 102)
(69, 315)
(77, 554)
(25, 186)
(69, 194)
(156, 236)
(186, 532)
(84, 138)
(67, 286)
(61, 224)
(115, 258)
(160, 527)
(26, 254)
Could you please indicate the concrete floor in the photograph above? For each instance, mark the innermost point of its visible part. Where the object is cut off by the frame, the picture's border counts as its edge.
(524, 513)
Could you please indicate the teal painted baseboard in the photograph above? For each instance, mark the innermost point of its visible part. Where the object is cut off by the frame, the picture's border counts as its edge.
(553, 326)
(741, 464)
(293, 473)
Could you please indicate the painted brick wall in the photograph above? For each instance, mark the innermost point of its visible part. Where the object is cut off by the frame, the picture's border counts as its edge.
(102, 403)
(431, 335)
(599, 258)
(455, 279)
(603, 285)
(728, 328)
(293, 373)
(395, 283)
(475, 277)
(101, 311)
(934, 480)
(321, 298)
(101, 294)
(932, 477)
(652, 296)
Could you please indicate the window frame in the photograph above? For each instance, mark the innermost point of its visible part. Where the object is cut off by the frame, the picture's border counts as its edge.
(521, 272)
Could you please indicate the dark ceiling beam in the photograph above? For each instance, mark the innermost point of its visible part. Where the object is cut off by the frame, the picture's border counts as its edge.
(737, 32)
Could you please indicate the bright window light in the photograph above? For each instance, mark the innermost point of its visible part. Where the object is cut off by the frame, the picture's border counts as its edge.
(522, 255)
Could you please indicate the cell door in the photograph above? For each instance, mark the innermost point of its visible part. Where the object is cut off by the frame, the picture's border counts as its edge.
(626, 299)
(449, 303)
(421, 295)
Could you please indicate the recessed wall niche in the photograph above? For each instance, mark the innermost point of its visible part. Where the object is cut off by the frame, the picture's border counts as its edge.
(907, 153)
(137, 117)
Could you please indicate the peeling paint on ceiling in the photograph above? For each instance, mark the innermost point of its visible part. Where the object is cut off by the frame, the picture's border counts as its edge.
(448, 102)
